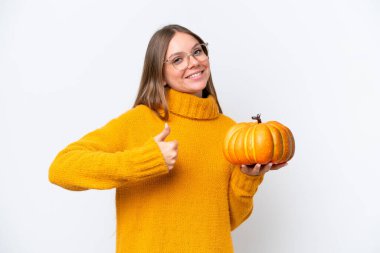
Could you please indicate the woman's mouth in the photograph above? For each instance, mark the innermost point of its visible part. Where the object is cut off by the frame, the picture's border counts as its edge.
(196, 75)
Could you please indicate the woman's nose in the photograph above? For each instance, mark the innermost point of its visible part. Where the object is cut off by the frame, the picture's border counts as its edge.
(192, 61)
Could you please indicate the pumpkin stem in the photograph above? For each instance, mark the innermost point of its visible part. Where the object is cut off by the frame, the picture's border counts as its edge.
(257, 118)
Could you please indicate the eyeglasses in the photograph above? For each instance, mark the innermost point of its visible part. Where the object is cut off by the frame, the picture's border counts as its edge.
(180, 61)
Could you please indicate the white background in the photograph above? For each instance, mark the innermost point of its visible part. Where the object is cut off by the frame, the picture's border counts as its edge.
(68, 67)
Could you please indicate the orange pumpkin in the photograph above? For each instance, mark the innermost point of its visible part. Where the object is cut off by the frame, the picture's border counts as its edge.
(256, 142)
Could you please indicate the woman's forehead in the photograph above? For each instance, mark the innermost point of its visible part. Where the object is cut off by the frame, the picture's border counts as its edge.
(181, 42)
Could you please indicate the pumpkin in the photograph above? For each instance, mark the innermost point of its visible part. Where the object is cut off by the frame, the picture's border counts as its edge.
(256, 142)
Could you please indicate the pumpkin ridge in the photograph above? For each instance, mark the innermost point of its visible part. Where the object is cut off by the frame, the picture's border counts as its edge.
(246, 131)
(280, 145)
(233, 144)
(228, 141)
(253, 144)
(285, 141)
(292, 142)
(267, 129)
(251, 148)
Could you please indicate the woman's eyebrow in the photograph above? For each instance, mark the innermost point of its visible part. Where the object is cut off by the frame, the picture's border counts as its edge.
(197, 44)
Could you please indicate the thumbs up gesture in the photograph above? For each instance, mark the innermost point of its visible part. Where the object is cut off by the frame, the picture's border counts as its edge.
(168, 148)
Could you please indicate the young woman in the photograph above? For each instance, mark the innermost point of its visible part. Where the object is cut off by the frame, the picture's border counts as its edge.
(175, 192)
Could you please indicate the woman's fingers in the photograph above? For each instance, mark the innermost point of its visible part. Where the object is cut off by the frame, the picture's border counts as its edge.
(278, 166)
(168, 148)
(258, 169)
(267, 168)
(252, 170)
(170, 151)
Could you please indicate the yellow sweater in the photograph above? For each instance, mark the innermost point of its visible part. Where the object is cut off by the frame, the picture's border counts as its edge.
(192, 208)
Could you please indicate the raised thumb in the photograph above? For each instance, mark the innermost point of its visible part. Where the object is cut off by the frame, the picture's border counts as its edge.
(161, 136)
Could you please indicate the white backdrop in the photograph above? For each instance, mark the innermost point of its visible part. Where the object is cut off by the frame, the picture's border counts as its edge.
(68, 67)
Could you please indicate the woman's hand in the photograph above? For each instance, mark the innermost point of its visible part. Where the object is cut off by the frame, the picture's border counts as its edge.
(168, 148)
(257, 169)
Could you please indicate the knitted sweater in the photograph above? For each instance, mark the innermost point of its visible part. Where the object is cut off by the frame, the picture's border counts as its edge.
(192, 208)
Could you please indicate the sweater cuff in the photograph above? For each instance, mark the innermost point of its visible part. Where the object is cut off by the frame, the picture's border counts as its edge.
(245, 182)
(143, 162)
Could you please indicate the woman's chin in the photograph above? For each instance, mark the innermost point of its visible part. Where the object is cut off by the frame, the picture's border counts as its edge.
(196, 85)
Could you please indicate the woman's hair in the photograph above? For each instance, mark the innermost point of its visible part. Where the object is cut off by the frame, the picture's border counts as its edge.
(152, 90)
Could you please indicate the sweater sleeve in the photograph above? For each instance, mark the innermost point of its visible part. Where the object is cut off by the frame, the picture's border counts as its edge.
(98, 161)
(242, 188)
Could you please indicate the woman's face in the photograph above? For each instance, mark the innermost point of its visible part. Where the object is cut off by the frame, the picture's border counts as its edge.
(185, 80)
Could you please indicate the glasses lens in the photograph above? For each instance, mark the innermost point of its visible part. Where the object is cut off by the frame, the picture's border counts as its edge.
(181, 60)
(200, 52)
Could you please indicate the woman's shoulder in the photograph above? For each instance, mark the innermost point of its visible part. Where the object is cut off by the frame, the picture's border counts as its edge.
(138, 112)
(227, 120)
(137, 116)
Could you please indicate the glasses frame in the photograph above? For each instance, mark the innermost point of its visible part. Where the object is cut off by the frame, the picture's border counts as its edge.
(205, 44)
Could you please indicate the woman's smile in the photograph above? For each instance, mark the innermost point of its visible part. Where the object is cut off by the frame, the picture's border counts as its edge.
(196, 75)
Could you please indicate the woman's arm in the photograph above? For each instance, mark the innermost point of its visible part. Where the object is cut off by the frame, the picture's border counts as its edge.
(242, 188)
(98, 161)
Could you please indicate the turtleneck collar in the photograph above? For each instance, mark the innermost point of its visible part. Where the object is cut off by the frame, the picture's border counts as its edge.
(191, 106)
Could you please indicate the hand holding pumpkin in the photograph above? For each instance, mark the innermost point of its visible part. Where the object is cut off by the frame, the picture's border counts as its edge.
(258, 169)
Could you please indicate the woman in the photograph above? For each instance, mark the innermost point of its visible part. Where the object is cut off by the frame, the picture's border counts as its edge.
(175, 192)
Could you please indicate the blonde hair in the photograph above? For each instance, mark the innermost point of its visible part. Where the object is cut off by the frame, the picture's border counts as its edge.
(152, 90)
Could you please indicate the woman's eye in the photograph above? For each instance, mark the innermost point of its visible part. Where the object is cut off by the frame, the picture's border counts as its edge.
(198, 51)
(177, 60)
